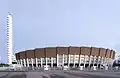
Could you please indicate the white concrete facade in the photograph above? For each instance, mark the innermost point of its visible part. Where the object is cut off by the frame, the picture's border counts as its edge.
(63, 59)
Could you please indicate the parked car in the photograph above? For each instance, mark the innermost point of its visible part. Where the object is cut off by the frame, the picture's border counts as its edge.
(15, 67)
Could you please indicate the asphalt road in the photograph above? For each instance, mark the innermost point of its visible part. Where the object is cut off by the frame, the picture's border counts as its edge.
(60, 74)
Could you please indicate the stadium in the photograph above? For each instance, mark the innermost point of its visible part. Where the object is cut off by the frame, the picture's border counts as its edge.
(72, 56)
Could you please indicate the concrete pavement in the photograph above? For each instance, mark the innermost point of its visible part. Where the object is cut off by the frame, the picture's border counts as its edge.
(60, 74)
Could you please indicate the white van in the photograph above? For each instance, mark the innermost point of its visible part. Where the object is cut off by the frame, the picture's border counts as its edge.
(65, 68)
(46, 67)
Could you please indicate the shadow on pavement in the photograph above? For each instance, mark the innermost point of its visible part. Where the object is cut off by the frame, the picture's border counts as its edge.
(57, 76)
(89, 76)
(14, 76)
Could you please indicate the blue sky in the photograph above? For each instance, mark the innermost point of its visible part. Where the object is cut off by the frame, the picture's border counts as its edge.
(41, 23)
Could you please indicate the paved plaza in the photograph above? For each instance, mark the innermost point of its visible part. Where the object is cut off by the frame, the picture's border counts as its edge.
(60, 74)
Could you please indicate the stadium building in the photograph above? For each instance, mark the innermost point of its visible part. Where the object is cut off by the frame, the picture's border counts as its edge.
(71, 56)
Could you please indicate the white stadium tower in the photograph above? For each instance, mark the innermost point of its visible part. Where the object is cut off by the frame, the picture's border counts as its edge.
(9, 38)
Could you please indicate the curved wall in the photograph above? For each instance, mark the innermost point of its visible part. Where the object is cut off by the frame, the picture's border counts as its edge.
(53, 51)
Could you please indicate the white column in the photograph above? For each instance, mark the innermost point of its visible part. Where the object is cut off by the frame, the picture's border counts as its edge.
(93, 60)
(46, 61)
(63, 59)
(69, 60)
(21, 62)
(98, 61)
(51, 61)
(57, 60)
(32, 61)
(24, 62)
(27, 62)
(79, 60)
(36, 62)
(84, 60)
(41, 62)
(101, 61)
(90, 60)
(74, 61)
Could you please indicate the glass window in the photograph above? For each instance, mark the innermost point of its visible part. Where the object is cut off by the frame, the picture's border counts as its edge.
(71, 58)
(82, 61)
(34, 60)
(29, 61)
(65, 58)
(39, 60)
(43, 59)
(54, 60)
(48, 60)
